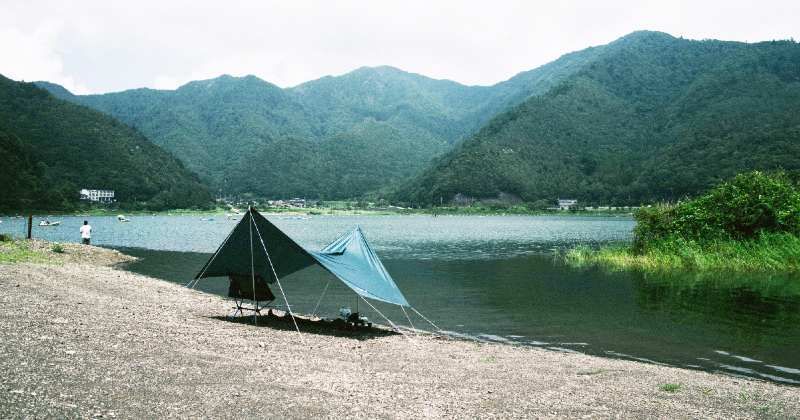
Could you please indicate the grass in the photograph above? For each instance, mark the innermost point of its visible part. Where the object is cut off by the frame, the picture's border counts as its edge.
(20, 251)
(670, 387)
(57, 248)
(776, 252)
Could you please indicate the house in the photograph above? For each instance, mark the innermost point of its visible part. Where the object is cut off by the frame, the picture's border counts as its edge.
(567, 204)
(100, 196)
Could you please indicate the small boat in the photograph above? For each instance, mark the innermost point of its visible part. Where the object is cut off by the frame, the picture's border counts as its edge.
(122, 218)
(45, 223)
(206, 219)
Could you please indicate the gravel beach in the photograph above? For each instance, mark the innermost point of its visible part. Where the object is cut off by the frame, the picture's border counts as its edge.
(81, 338)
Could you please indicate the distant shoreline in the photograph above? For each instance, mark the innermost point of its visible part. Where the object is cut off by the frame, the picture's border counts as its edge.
(324, 211)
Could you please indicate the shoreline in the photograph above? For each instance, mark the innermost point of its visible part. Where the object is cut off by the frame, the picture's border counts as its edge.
(79, 337)
(324, 211)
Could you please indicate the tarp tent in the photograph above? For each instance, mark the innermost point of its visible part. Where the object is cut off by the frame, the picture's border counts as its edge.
(352, 260)
(234, 256)
(259, 250)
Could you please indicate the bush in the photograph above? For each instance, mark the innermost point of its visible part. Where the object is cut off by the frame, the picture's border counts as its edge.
(4, 237)
(57, 248)
(742, 208)
(669, 387)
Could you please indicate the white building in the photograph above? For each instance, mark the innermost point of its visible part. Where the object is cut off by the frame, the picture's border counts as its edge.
(101, 196)
(566, 204)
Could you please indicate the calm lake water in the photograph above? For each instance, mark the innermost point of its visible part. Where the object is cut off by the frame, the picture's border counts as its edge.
(497, 279)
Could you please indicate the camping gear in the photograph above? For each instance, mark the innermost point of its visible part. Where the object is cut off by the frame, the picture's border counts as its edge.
(241, 288)
(257, 249)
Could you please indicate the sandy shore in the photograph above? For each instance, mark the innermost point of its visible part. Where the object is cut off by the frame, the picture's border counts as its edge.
(80, 338)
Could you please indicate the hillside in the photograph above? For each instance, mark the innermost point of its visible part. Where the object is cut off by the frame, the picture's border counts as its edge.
(335, 137)
(51, 148)
(649, 117)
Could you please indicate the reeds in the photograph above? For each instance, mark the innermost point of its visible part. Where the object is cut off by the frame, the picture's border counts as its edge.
(769, 252)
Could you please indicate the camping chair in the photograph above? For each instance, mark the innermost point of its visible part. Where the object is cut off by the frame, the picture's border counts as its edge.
(241, 289)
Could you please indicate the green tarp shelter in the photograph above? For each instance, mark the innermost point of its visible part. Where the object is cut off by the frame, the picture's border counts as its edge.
(244, 252)
(257, 250)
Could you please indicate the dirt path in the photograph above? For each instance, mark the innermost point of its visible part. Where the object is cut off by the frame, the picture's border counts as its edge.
(82, 340)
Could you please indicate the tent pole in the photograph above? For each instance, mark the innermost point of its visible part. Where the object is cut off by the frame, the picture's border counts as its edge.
(252, 265)
(314, 313)
(289, 308)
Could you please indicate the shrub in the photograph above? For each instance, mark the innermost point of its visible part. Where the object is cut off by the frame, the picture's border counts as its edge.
(4, 237)
(669, 387)
(57, 248)
(742, 208)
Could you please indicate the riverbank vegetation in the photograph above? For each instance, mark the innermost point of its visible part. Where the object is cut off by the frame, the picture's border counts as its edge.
(751, 223)
(14, 251)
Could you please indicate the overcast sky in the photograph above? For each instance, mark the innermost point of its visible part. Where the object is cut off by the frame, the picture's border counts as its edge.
(101, 46)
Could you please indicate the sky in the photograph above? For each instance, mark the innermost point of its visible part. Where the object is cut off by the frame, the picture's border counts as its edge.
(97, 46)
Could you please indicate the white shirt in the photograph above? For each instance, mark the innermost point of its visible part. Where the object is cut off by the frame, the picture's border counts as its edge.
(86, 232)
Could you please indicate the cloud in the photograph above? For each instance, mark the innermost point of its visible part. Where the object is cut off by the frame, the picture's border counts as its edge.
(103, 46)
(31, 56)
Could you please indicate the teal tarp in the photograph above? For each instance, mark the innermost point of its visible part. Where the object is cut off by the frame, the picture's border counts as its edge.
(349, 258)
(352, 260)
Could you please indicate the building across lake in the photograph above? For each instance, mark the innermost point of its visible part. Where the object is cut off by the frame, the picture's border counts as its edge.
(567, 204)
(100, 196)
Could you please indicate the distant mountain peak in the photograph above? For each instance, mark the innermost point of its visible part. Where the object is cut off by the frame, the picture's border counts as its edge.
(55, 89)
(646, 35)
(223, 79)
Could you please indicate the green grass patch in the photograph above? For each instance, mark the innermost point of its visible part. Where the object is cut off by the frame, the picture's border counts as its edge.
(770, 252)
(57, 248)
(670, 387)
(19, 251)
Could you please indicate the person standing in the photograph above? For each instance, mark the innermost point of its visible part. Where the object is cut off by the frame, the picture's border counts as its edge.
(86, 232)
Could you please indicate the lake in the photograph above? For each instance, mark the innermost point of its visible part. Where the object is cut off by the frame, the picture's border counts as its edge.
(496, 278)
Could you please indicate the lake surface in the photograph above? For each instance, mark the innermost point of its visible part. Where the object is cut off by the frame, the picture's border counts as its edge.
(497, 279)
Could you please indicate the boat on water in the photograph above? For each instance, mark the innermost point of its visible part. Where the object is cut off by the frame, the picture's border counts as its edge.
(122, 218)
(45, 223)
(206, 219)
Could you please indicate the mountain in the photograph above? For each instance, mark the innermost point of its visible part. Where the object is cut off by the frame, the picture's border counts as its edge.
(647, 117)
(335, 137)
(51, 148)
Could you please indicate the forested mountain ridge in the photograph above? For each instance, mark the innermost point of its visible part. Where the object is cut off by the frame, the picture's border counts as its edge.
(650, 117)
(335, 137)
(51, 148)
